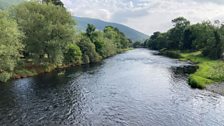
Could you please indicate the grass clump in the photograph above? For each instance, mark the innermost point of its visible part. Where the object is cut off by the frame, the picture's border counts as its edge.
(210, 71)
(198, 81)
(170, 53)
(25, 72)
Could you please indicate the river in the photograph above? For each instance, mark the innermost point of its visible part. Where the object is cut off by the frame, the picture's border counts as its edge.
(135, 88)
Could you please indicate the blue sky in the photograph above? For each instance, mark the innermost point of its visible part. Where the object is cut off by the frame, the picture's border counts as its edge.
(147, 15)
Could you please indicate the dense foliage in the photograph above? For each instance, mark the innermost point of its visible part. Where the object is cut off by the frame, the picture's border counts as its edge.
(43, 35)
(55, 2)
(205, 37)
(47, 34)
(10, 46)
(201, 43)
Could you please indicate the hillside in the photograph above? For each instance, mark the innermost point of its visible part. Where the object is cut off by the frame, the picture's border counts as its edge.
(6, 3)
(134, 35)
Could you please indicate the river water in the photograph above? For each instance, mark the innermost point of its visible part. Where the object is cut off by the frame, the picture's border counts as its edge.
(135, 88)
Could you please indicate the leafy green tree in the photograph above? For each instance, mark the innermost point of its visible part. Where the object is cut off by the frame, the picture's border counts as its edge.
(90, 30)
(215, 47)
(180, 22)
(73, 55)
(10, 46)
(205, 37)
(109, 48)
(117, 37)
(48, 30)
(137, 44)
(152, 42)
(104, 46)
(201, 34)
(176, 33)
(89, 54)
(188, 39)
(55, 2)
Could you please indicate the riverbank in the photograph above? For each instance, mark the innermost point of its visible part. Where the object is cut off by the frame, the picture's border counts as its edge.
(209, 71)
(30, 70)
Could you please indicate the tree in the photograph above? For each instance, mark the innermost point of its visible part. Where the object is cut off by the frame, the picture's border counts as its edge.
(188, 39)
(73, 55)
(137, 44)
(10, 46)
(152, 42)
(109, 48)
(215, 47)
(89, 54)
(201, 34)
(104, 46)
(90, 30)
(180, 22)
(55, 2)
(120, 40)
(176, 34)
(48, 30)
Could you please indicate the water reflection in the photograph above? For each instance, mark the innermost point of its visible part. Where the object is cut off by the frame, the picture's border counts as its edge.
(134, 88)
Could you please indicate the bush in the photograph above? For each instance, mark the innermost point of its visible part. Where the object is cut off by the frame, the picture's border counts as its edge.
(10, 45)
(89, 54)
(198, 82)
(5, 76)
(73, 55)
(171, 54)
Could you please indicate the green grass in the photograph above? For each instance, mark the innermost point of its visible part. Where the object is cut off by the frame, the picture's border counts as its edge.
(25, 72)
(210, 71)
(171, 53)
(31, 70)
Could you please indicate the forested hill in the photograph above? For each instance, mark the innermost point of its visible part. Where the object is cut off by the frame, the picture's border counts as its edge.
(100, 25)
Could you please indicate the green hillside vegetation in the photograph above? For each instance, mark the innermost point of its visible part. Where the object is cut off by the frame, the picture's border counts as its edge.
(100, 25)
(201, 43)
(39, 37)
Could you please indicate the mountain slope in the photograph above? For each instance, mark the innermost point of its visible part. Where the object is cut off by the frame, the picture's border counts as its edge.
(7, 3)
(134, 35)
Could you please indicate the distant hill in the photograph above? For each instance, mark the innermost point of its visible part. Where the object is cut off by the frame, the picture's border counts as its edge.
(7, 3)
(134, 35)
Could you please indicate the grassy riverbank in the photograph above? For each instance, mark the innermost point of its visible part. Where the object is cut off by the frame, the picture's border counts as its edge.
(29, 70)
(209, 72)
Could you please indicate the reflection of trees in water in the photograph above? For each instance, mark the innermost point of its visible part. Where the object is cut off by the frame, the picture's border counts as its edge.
(46, 98)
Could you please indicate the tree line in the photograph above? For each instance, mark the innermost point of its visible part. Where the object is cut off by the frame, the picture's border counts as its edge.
(43, 34)
(206, 37)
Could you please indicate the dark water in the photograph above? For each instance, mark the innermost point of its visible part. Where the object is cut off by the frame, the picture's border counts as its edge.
(131, 89)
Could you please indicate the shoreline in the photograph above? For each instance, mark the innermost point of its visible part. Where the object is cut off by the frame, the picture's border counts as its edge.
(199, 79)
(216, 88)
(34, 70)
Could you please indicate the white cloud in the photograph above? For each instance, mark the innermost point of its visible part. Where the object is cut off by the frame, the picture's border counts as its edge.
(147, 15)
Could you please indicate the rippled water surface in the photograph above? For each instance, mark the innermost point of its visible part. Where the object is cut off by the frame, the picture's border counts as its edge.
(136, 88)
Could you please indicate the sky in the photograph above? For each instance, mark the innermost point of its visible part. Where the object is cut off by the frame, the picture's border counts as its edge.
(147, 16)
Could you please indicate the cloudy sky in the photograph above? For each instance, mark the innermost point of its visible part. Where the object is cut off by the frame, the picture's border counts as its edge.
(147, 15)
